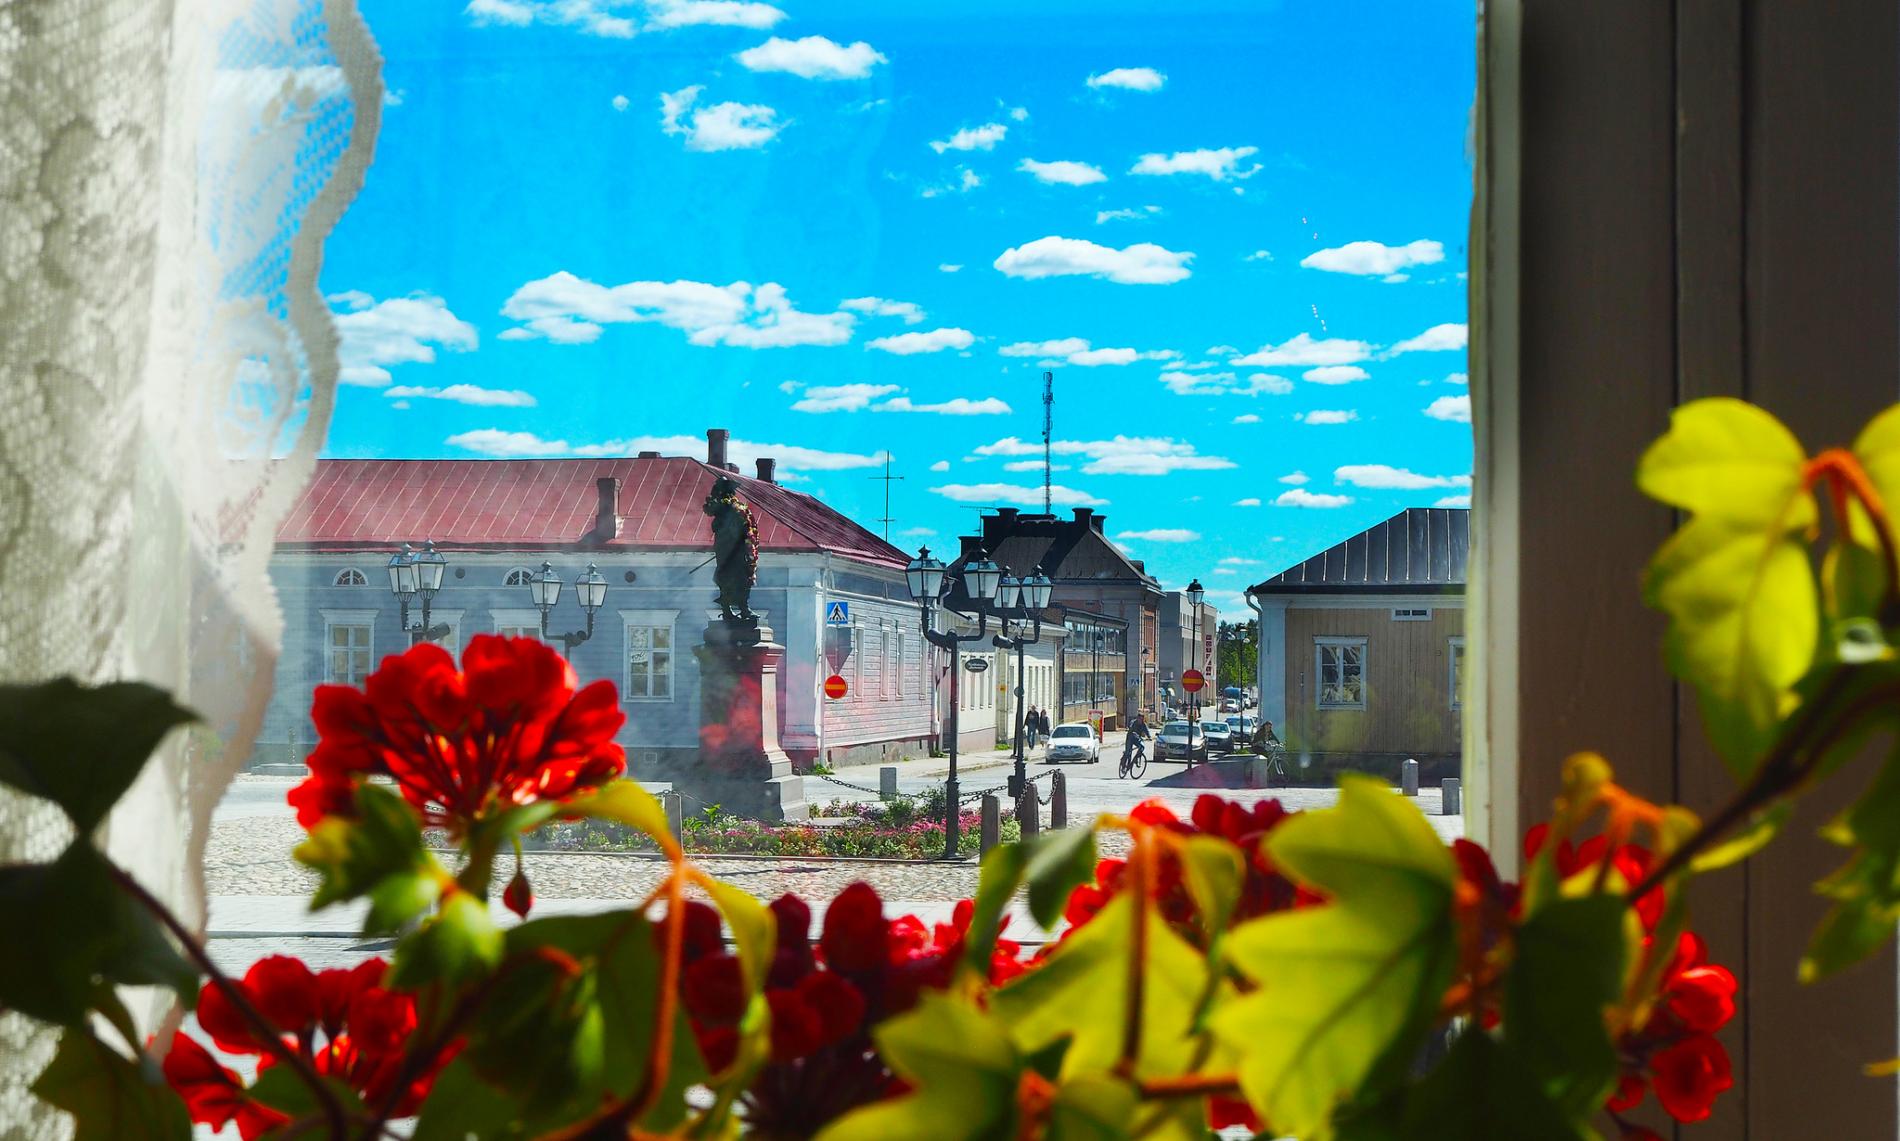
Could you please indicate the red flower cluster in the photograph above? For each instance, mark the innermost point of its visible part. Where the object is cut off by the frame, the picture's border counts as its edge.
(508, 728)
(1264, 891)
(1674, 1051)
(344, 1021)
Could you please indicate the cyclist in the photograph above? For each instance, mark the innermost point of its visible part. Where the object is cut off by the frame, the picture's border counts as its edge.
(1133, 743)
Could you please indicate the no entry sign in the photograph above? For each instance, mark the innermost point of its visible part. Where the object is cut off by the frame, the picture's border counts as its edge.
(835, 687)
(1193, 681)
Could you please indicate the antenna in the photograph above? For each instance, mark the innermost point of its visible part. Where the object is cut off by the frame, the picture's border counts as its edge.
(887, 477)
(1048, 423)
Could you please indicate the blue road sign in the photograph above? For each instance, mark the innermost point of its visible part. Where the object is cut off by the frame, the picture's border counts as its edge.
(837, 614)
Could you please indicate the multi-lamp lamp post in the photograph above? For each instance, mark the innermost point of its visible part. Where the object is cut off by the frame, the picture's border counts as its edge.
(1195, 594)
(590, 590)
(928, 578)
(418, 575)
(1019, 606)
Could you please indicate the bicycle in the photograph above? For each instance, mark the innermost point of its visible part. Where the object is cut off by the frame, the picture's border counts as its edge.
(1134, 761)
(1275, 754)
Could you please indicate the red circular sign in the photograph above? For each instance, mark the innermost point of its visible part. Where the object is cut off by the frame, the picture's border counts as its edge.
(1193, 681)
(835, 687)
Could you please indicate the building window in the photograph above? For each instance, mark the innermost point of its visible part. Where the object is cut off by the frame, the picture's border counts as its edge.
(1340, 665)
(519, 576)
(874, 662)
(649, 654)
(1456, 658)
(1412, 614)
(349, 576)
(349, 652)
(522, 623)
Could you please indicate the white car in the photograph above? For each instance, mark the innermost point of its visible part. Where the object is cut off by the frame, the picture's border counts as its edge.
(1074, 741)
(1181, 739)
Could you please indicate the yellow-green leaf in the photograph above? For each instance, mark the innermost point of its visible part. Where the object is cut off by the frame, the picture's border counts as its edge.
(1215, 872)
(1345, 988)
(1753, 837)
(1727, 459)
(963, 1066)
(1865, 890)
(1878, 449)
(625, 802)
(754, 930)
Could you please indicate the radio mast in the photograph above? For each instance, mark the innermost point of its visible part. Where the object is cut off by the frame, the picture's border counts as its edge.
(886, 479)
(1048, 422)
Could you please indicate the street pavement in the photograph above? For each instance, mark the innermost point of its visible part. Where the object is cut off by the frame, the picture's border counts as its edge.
(259, 895)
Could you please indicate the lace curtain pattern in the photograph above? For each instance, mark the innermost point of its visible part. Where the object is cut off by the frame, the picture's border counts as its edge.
(169, 170)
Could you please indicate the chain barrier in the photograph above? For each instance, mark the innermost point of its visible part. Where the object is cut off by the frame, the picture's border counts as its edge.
(877, 792)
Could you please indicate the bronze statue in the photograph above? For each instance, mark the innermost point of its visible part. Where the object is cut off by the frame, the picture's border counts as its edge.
(735, 550)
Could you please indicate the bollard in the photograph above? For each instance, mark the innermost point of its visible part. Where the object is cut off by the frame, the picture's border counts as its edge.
(1029, 811)
(675, 816)
(1059, 800)
(992, 828)
(1448, 792)
(1408, 777)
(887, 783)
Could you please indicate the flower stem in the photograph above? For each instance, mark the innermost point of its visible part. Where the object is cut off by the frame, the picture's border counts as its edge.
(1138, 873)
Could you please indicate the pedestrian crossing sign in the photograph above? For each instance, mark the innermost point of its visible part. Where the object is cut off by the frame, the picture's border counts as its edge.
(837, 614)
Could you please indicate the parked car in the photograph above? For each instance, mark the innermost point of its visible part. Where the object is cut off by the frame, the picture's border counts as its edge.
(1074, 741)
(1181, 739)
(1243, 726)
(1220, 738)
(1230, 705)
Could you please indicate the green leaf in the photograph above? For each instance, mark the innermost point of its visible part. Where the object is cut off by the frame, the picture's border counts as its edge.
(1000, 875)
(82, 746)
(1480, 1091)
(463, 1105)
(73, 930)
(964, 1069)
(624, 802)
(380, 854)
(1059, 861)
(1865, 890)
(280, 1088)
(1215, 872)
(754, 930)
(459, 944)
(1568, 970)
(1346, 988)
(1754, 836)
(111, 1097)
(1878, 449)
(1094, 1108)
(1735, 581)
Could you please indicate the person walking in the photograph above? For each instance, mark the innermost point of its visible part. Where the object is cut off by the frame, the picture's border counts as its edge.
(1044, 718)
(1032, 724)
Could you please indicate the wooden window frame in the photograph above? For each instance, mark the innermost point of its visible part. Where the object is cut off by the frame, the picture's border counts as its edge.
(1324, 642)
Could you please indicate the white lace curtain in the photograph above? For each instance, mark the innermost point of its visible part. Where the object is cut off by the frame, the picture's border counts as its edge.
(169, 171)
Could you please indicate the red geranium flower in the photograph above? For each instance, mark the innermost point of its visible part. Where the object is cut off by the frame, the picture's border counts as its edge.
(856, 937)
(1689, 1075)
(507, 729)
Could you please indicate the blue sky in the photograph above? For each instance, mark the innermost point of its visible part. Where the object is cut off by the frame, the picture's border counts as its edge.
(1236, 235)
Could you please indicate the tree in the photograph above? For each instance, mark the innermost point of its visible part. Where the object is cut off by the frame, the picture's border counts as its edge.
(1238, 653)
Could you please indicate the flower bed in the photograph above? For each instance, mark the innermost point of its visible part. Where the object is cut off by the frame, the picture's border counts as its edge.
(906, 834)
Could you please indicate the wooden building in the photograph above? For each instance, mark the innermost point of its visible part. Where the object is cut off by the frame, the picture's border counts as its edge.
(1362, 647)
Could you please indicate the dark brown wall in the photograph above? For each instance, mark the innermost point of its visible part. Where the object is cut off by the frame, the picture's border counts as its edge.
(1710, 204)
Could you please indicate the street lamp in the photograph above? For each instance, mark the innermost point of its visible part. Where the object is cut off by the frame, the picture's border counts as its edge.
(590, 590)
(1195, 594)
(927, 579)
(1020, 604)
(412, 574)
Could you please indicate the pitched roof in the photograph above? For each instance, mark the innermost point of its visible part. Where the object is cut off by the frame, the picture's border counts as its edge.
(1067, 550)
(534, 504)
(1419, 550)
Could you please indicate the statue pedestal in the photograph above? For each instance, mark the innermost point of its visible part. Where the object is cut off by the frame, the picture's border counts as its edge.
(741, 766)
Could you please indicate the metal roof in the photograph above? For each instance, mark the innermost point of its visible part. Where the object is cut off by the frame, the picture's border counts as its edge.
(535, 504)
(1419, 550)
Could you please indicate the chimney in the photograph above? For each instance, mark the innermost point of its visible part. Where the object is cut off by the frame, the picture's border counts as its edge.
(767, 468)
(1100, 521)
(733, 468)
(716, 446)
(1140, 565)
(649, 455)
(1082, 515)
(1006, 515)
(606, 514)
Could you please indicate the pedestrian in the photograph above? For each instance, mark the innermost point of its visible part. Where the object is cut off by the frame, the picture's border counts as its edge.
(1043, 717)
(1031, 723)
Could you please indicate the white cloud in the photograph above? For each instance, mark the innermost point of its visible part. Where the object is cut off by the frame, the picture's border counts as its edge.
(567, 309)
(1228, 570)
(1057, 348)
(621, 102)
(1396, 278)
(1455, 501)
(1304, 350)
(725, 13)
(392, 97)
(879, 307)
(717, 126)
(1272, 385)
(1438, 338)
(496, 442)
(790, 457)
(1033, 465)
(967, 180)
(1259, 255)
(1140, 264)
(1247, 502)
(917, 532)
(1375, 259)
(1019, 114)
(841, 397)
(1328, 416)
(1012, 493)
(1218, 164)
(1076, 351)
(1162, 535)
(1296, 478)
(1062, 172)
(940, 465)
(590, 17)
(1454, 408)
(789, 386)
(1335, 374)
(1187, 380)
(813, 57)
(1247, 418)
(1141, 214)
(375, 335)
(935, 341)
(947, 267)
(960, 406)
(514, 13)
(1122, 455)
(1300, 497)
(1457, 378)
(1385, 476)
(464, 394)
(1129, 79)
(981, 138)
